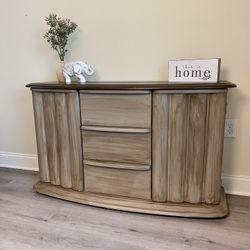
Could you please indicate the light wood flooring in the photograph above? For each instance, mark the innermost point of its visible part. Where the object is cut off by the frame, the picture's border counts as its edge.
(33, 221)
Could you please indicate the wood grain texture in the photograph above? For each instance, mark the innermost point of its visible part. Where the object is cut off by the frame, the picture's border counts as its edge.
(41, 136)
(116, 129)
(214, 148)
(121, 182)
(160, 130)
(63, 139)
(188, 131)
(75, 143)
(117, 147)
(195, 147)
(137, 205)
(116, 110)
(117, 165)
(51, 137)
(178, 125)
(57, 116)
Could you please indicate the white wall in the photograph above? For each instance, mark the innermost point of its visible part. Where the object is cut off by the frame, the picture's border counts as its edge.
(125, 40)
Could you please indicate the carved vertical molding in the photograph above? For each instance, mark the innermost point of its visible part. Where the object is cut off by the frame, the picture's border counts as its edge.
(160, 132)
(188, 132)
(195, 147)
(75, 141)
(51, 137)
(41, 136)
(214, 147)
(178, 120)
(57, 118)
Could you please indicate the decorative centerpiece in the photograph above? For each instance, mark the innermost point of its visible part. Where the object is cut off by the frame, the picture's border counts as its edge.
(57, 36)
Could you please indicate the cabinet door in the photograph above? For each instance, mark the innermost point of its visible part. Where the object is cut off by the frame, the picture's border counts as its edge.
(187, 145)
(57, 120)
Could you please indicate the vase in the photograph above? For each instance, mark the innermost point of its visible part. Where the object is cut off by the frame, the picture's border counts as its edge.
(59, 73)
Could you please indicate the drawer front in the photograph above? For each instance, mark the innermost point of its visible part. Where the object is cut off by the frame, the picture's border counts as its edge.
(122, 182)
(116, 108)
(117, 147)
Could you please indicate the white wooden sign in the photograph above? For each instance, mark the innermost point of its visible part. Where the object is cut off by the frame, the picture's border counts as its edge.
(194, 71)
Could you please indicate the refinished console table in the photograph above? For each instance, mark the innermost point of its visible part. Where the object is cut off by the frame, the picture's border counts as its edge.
(149, 147)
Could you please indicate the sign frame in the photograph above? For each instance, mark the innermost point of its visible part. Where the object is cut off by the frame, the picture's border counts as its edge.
(194, 70)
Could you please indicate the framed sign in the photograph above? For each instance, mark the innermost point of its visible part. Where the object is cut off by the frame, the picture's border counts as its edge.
(194, 71)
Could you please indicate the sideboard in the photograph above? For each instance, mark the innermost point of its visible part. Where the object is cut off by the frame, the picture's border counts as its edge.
(148, 147)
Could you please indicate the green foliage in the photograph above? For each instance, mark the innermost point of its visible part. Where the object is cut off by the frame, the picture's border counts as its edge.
(58, 33)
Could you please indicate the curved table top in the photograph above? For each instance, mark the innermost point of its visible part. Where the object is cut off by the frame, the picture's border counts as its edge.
(132, 85)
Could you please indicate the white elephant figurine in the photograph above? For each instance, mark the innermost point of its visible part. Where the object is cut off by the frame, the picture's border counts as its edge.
(77, 69)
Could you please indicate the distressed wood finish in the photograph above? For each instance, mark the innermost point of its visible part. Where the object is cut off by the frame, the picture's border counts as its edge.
(63, 139)
(214, 148)
(57, 117)
(196, 147)
(116, 109)
(178, 123)
(117, 147)
(117, 129)
(75, 143)
(117, 165)
(143, 148)
(51, 137)
(160, 148)
(188, 131)
(41, 137)
(137, 205)
(122, 182)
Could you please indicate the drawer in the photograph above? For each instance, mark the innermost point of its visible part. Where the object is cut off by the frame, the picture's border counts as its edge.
(123, 146)
(116, 108)
(122, 182)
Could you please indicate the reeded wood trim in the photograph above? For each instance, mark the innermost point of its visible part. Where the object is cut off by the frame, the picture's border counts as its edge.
(177, 149)
(57, 118)
(116, 129)
(187, 137)
(117, 165)
(75, 144)
(51, 137)
(160, 137)
(214, 148)
(41, 137)
(137, 205)
(195, 147)
(63, 139)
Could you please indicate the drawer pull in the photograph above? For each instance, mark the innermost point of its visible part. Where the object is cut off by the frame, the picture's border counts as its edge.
(117, 165)
(117, 129)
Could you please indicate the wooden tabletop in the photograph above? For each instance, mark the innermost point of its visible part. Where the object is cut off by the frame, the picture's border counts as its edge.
(131, 85)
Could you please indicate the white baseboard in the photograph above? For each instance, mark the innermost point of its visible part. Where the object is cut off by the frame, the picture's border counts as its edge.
(18, 161)
(236, 184)
(233, 184)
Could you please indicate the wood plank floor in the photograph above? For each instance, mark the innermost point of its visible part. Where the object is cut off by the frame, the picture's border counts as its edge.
(33, 221)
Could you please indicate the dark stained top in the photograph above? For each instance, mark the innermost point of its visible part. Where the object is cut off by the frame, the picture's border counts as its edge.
(131, 85)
